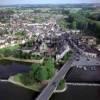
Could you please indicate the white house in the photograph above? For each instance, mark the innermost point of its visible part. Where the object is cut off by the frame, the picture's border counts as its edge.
(60, 56)
(90, 54)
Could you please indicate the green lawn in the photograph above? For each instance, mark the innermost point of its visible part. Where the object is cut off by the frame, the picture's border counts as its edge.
(10, 48)
(16, 80)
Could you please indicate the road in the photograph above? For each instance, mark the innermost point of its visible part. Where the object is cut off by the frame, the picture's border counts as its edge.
(84, 61)
(48, 90)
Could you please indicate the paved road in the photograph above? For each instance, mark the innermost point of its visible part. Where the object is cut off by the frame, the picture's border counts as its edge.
(83, 60)
(48, 91)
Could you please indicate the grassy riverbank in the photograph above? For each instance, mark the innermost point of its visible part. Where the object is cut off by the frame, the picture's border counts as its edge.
(37, 77)
(16, 80)
(13, 53)
(10, 58)
(61, 85)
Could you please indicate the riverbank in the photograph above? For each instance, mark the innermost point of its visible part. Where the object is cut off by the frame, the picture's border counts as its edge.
(61, 90)
(22, 60)
(35, 87)
(13, 53)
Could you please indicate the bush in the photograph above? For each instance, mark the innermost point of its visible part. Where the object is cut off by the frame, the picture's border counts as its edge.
(61, 84)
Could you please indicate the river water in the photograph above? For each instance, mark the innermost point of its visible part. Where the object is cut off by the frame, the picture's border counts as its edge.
(8, 68)
(79, 93)
(9, 91)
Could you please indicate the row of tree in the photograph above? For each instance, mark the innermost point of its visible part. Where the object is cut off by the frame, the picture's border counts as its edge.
(5, 15)
(82, 22)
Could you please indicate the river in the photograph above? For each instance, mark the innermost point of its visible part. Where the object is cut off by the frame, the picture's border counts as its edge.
(79, 93)
(8, 68)
(9, 91)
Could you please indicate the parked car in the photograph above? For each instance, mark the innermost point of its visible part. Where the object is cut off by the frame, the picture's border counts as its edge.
(84, 68)
(93, 68)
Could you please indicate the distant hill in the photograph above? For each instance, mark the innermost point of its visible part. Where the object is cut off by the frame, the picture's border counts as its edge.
(83, 5)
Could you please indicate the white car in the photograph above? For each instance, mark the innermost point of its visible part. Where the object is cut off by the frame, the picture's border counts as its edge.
(84, 68)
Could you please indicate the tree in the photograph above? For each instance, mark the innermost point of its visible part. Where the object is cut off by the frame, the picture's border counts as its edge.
(71, 18)
(62, 23)
(26, 79)
(74, 25)
(41, 74)
(7, 52)
(37, 11)
(34, 67)
(21, 33)
(30, 77)
(49, 64)
(65, 12)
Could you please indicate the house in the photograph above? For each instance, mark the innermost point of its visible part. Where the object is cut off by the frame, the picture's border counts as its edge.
(43, 47)
(74, 31)
(90, 54)
(61, 55)
(98, 47)
(51, 52)
(90, 40)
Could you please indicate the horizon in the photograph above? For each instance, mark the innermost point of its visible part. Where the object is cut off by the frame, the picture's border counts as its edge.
(53, 2)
